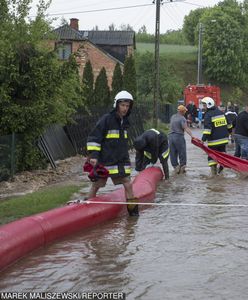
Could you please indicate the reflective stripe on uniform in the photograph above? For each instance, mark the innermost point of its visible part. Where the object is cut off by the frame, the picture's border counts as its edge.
(112, 169)
(93, 146)
(219, 121)
(113, 134)
(212, 163)
(115, 170)
(229, 126)
(206, 131)
(219, 117)
(218, 142)
(147, 154)
(127, 169)
(125, 134)
(155, 130)
(166, 153)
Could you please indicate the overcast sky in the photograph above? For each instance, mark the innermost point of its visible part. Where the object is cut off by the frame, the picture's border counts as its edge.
(134, 12)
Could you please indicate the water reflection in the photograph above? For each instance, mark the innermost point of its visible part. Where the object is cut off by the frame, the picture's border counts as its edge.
(169, 252)
(87, 261)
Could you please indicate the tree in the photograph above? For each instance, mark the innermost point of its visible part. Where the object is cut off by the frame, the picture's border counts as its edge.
(101, 92)
(175, 37)
(142, 29)
(223, 50)
(129, 76)
(88, 83)
(170, 85)
(126, 27)
(144, 38)
(63, 21)
(36, 90)
(112, 27)
(117, 81)
(145, 80)
(95, 28)
(190, 24)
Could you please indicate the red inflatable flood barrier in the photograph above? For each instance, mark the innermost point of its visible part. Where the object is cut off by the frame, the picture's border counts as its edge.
(25, 235)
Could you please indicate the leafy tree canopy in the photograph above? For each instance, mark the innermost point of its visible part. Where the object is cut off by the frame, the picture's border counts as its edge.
(117, 81)
(129, 76)
(102, 93)
(36, 90)
(191, 22)
(170, 85)
(223, 39)
(88, 83)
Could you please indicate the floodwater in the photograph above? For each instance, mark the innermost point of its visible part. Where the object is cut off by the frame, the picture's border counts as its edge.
(169, 252)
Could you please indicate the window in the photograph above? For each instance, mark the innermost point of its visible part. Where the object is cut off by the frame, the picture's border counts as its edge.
(64, 50)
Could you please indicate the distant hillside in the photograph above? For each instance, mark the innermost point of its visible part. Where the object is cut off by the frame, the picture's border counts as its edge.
(182, 57)
(177, 50)
(184, 60)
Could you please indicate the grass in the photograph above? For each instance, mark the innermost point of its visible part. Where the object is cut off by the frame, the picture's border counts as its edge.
(180, 52)
(183, 58)
(40, 201)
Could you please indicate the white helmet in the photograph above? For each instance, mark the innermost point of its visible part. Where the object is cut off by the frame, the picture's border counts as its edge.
(208, 101)
(122, 96)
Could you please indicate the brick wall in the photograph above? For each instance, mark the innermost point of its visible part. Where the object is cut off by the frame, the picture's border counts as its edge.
(98, 58)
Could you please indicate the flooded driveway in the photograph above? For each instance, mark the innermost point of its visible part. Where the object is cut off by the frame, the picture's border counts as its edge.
(174, 251)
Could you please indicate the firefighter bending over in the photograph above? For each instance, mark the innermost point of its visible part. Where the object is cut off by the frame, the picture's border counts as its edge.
(151, 146)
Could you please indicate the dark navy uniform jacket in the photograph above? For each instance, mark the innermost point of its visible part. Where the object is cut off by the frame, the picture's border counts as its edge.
(151, 146)
(108, 143)
(216, 127)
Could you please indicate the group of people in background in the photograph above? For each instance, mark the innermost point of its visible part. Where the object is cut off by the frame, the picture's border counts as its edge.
(107, 144)
(194, 115)
(239, 134)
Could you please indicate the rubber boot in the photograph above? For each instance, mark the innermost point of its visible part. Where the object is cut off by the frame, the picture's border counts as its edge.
(133, 209)
(177, 169)
(182, 169)
(220, 169)
(213, 170)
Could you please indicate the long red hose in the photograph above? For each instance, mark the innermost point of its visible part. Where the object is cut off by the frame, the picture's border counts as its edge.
(25, 235)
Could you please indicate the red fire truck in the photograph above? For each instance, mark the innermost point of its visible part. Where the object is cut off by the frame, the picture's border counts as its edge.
(196, 92)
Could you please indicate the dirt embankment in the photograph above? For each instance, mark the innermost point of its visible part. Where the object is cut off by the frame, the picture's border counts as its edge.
(68, 171)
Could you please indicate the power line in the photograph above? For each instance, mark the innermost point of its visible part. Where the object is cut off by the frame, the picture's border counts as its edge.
(199, 5)
(168, 13)
(143, 16)
(180, 10)
(97, 10)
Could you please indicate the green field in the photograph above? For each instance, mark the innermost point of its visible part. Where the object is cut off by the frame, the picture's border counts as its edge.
(178, 51)
(183, 58)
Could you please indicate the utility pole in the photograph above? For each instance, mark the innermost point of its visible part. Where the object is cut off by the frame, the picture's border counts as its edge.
(199, 70)
(156, 66)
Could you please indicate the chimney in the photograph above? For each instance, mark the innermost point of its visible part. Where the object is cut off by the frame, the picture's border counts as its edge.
(74, 23)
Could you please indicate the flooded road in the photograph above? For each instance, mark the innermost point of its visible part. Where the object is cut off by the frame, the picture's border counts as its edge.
(169, 252)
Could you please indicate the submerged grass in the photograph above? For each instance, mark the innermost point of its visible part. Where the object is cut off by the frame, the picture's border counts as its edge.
(40, 201)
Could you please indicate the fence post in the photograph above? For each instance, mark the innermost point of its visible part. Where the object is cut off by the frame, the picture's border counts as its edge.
(12, 156)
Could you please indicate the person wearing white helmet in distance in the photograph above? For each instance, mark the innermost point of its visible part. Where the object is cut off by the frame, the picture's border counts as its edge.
(216, 131)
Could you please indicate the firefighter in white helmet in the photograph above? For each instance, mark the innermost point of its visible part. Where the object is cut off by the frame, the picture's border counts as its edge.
(216, 131)
(107, 144)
